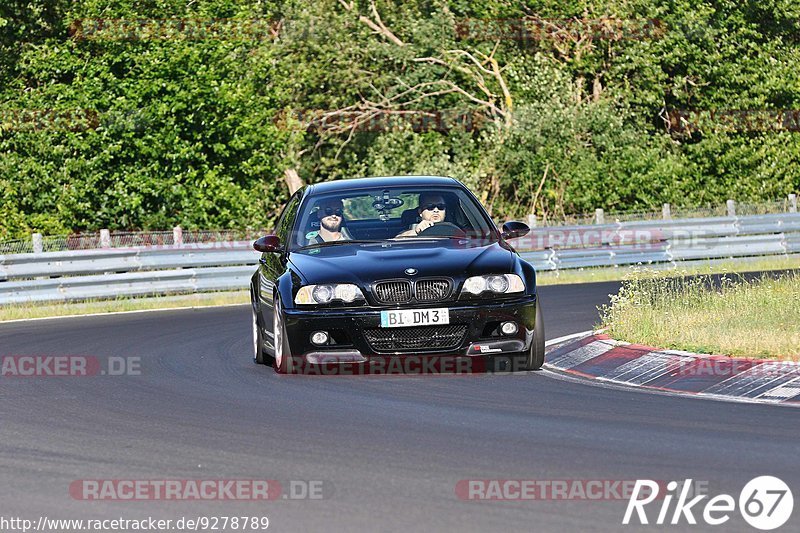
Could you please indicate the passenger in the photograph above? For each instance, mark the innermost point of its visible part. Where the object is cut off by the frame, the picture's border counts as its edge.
(331, 218)
(432, 211)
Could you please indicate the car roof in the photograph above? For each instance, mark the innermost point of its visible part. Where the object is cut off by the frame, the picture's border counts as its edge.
(382, 181)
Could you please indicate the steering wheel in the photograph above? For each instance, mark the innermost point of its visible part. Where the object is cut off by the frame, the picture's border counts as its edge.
(442, 229)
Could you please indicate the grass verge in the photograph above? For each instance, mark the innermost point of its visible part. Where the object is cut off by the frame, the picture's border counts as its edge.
(725, 315)
(22, 311)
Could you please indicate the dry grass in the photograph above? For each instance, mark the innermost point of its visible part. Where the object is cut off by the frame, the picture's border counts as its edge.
(22, 311)
(734, 316)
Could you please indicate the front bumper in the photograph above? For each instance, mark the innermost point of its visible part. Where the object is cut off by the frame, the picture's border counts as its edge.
(347, 326)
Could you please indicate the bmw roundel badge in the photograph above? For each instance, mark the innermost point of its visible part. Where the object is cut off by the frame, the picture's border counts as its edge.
(411, 271)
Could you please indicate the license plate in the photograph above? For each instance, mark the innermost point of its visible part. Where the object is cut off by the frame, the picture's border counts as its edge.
(414, 317)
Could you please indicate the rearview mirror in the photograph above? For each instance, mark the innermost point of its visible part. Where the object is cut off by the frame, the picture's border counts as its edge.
(268, 243)
(512, 230)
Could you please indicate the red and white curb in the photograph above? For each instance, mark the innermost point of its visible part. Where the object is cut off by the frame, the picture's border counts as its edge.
(601, 358)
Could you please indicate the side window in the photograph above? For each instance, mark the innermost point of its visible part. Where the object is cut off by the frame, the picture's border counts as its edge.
(286, 219)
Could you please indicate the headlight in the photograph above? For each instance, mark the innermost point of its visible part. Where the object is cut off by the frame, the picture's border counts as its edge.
(498, 284)
(475, 285)
(322, 294)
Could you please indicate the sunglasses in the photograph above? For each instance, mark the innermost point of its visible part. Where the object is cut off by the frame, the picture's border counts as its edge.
(331, 211)
(440, 207)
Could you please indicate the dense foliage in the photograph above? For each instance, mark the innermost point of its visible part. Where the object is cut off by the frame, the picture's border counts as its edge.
(113, 114)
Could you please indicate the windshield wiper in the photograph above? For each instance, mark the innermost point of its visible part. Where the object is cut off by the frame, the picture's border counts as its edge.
(337, 243)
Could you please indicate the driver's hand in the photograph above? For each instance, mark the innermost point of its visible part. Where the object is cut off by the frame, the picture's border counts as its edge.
(422, 226)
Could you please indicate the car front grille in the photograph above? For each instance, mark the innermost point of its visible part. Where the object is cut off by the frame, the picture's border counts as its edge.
(432, 290)
(402, 291)
(393, 291)
(415, 338)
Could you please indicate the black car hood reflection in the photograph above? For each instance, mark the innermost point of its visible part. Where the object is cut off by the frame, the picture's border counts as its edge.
(365, 263)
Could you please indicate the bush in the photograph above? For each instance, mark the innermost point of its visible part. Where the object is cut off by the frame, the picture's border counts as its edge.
(188, 130)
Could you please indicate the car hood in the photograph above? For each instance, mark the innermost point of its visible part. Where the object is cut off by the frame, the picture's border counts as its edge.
(365, 263)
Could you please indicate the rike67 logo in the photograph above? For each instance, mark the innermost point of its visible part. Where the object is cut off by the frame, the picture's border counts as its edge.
(765, 503)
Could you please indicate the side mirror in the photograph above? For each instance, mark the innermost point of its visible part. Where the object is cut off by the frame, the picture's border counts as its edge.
(512, 230)
(268, 243)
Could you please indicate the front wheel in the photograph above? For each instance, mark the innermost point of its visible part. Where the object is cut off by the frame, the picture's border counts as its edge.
(535, 358)
(282, 362)
(259, 356)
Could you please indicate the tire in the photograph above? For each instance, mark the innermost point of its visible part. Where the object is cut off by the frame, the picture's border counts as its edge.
(259, 356)
(282, 362)
(535, 358)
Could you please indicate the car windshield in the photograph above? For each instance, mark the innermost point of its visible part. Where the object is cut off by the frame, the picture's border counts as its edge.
(410, 214)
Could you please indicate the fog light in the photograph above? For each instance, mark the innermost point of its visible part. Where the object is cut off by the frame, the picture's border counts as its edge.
(320, 337)
(508, 328)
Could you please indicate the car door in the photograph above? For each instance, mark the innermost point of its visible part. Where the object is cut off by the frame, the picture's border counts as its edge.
(272, 265)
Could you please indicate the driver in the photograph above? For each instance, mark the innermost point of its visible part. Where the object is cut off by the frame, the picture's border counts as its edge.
(331, 216)
(431, 210)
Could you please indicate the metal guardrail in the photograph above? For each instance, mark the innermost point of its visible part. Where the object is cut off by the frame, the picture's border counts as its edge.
(138, 271)
(127, 284)
(661, 242)
(114, 272)
(75, 263)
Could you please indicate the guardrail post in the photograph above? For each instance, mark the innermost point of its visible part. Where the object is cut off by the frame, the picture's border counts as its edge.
(666, 212)
(793, 203)
(38, 245)
(177, 236)
(731, 208)
(599, 216)
(531, 221)
(105, 238)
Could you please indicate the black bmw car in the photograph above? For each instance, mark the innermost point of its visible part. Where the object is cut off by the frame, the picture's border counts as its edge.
(392, 267)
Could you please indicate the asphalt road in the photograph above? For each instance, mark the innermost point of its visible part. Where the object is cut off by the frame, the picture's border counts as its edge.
(388, 451)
